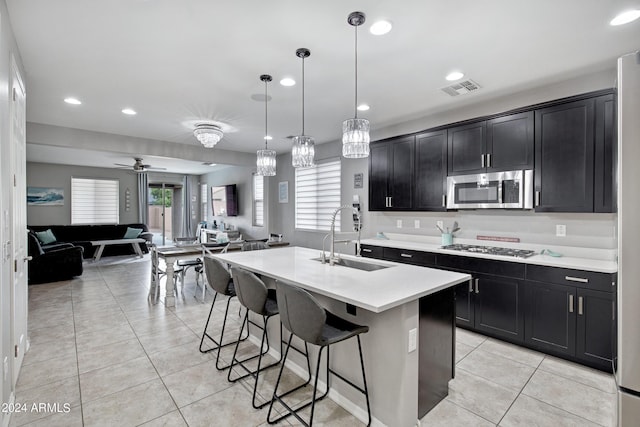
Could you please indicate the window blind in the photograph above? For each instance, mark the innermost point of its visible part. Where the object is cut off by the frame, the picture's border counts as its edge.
(94, 201)
(258, 200)
(317, 195)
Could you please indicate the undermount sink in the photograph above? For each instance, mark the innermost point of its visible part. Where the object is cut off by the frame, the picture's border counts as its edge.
(360, 265)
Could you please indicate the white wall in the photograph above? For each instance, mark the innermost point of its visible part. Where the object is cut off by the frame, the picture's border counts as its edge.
(587, 230)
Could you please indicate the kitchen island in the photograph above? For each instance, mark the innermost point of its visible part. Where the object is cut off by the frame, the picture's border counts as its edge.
(409, 350)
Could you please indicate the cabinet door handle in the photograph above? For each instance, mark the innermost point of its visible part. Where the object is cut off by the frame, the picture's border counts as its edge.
(537, 198)
(489, 160)
(576, 279)
(482, 159)
(444, 200)
(406, 255)
(390, 202)
(580, 307)
(366, 250)
(570, 303)
(477, 288)
(470, 286)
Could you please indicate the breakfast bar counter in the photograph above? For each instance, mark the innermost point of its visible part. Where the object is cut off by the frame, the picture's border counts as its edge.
(409, 350)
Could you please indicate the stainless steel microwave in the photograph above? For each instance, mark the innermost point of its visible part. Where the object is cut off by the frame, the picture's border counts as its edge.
(497, 190)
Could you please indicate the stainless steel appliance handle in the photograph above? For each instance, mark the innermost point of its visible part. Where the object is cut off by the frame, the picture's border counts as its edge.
(489, 160)
(576, 279)
(406, 255)
(477, 289)
(537, 198)
(580, 305)
(570, 303)
(482, 159)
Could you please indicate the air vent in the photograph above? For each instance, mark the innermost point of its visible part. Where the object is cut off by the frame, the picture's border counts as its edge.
(461, 88)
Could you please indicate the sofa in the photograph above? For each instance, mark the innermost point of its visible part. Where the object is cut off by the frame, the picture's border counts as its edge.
(61, 261)
(82, 235)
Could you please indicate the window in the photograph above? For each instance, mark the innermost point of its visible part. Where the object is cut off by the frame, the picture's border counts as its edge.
(318, 195)
(203, 202)
(258, 200)
(94, 201)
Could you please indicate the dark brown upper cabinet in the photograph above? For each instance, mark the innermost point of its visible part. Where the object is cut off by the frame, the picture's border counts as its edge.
(391, 174)
(431, 171)
(604, 189)
(499, 144)
(564, 173)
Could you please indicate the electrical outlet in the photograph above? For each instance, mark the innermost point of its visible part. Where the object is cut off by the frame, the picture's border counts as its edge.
(561, 230)
(416, 223)
(413, 338)
(440, 224)
(399, 223)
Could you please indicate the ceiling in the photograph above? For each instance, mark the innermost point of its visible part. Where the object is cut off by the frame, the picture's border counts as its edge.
(178, 63)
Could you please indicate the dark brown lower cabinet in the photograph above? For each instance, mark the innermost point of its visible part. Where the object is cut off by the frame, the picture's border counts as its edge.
(498, 307)
(595, 329)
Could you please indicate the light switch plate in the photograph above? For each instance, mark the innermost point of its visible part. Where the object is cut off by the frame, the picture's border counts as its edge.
(561, 230)
(413, 338)
(399, 223)
(416, 223)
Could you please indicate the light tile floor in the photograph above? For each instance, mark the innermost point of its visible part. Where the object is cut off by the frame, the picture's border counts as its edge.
(100, 346)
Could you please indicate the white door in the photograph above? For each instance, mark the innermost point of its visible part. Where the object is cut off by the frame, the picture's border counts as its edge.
(19, 291)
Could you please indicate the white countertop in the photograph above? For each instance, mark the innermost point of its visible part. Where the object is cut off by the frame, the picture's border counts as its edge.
(431, 245)
(375, 291)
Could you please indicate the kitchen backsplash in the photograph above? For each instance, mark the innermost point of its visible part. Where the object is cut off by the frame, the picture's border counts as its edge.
(582, 230)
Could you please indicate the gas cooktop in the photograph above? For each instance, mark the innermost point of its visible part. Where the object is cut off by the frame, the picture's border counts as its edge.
(491, 250)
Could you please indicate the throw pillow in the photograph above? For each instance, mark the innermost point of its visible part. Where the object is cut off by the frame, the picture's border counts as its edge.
(132, 233)
(46, 237)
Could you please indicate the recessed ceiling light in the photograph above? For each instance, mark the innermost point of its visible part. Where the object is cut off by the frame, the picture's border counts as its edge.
(379, 28)
(363, 107)
(455, 75)
(625, 17)
(73, 101)
(129, 112)
(287, 81)
(268, 138)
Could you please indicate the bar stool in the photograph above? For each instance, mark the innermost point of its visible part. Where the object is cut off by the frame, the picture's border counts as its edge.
(220, 280)
(303, 316)
(255, 297)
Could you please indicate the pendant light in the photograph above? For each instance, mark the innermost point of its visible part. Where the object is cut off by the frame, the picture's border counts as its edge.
(303, 150)
(266, 159)
(355, 132)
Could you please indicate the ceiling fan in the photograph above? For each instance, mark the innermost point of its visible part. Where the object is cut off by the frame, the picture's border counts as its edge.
(138, 166)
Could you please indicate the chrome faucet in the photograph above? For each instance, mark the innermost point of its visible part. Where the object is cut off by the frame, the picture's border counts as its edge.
(332, 256)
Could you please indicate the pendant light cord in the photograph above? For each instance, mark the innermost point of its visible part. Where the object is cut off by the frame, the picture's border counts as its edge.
(303, 96)
(266, 100)
(356, 69)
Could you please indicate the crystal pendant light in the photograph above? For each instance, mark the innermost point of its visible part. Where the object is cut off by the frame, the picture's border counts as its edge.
(355, 132)
(266, 159)
(303, 150)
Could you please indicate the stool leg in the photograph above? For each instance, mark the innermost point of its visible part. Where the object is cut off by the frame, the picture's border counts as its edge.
(364, 380)
(204, 334)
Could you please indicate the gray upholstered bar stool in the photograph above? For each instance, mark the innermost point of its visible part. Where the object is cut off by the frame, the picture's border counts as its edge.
(255, 297)
(220, 280)
(304, 317)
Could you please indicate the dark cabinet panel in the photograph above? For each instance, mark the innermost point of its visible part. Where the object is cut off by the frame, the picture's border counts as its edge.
(431, 171)
(467, 148)
(369, 251)
(564, 172)
(378, 177)
(497, 307)
(605, 154)
(407, 256)
(481, 265)
(550, 321)
(570, 277)
(510, 142)
(401, 173)
(464, 304)
(595, 328)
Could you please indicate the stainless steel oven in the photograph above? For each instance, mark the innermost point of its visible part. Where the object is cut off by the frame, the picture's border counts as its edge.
(497, 190)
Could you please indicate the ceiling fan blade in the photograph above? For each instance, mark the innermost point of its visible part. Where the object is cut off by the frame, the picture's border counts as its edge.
(152, 167)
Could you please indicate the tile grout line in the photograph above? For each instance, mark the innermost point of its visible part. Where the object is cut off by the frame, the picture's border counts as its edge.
(519, 393)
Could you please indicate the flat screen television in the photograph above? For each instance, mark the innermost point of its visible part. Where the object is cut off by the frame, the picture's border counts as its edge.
(224, 200)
